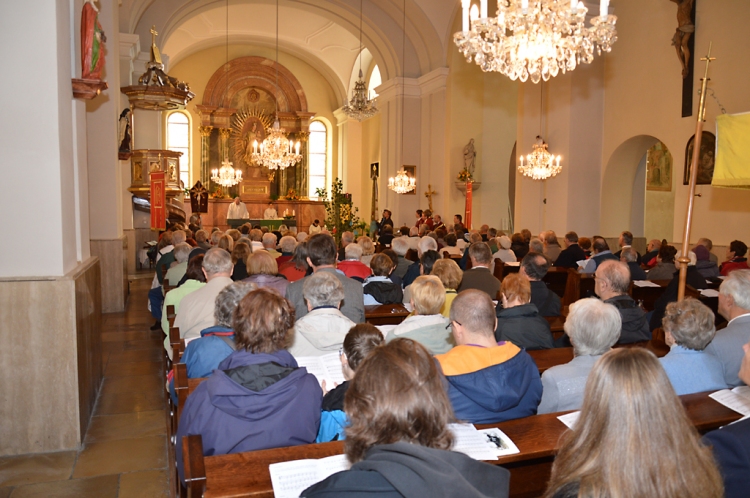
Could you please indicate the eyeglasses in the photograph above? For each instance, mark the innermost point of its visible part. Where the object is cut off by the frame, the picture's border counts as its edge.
(450, 325)
(341, 353)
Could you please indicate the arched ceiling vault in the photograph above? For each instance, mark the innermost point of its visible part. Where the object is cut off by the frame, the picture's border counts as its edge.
(323, 33)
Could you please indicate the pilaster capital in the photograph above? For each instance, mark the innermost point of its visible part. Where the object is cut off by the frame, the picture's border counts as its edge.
(205, 131)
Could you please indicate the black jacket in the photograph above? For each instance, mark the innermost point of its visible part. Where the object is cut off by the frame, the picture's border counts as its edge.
(412, 471)
(636, 272)
(693, 278)
(569, 256)
(385, 292)
(634, 324)
(523, 326)
(547, 302)
(731, 446)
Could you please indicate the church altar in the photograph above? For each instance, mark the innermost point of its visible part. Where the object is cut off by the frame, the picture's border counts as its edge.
(306, 212)
(273, 224)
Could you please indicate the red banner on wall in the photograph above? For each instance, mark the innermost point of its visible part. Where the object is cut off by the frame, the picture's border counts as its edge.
(467, 218)
(158, 201)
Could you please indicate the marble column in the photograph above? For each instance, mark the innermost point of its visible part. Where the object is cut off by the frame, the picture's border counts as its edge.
(205, 173)
(302, 171)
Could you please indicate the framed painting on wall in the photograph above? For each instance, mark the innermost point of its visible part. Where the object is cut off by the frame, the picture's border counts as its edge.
(659, 168)
(705, 159)
(411, 171)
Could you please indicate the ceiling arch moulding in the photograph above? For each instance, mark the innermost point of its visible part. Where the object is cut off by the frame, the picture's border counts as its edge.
(316, 63)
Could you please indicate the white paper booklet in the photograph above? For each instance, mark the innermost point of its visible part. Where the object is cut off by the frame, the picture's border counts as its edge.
(326, 367)
(709, 293)
(502, 445)
(737, 399)
(289, 479)
(569, 419)
(385, 329)
(469, 441)
(645, 283)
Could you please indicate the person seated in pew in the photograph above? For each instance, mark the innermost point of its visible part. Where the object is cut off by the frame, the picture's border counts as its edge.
(479, 276)
(572, 253)
(426, 325)
(694, 279)
(688, 328)
(177, 271)
(736, 259)
(323, 328)
(395, 259)
(203, 355)
(474, 238)
(707, 268)
(593, 328)
(425, 244)
(652, 250)
(426, 262)
(297, 267)
(240, 254)
(287, 245)
(195, 280)
(400, 246)
(665, 265)
(518, 320)
(405, 451)
(611, 284)
(734, 305)
(629, 256)
(450, 245)
(263, 271)
(359, 341)
(368, 249)
(585, 244)
(601, 253)
(534, 267)
(731, 445)
(633, 437)
(504, 252)
(488, 380)
(450, 275)
(519, 246)
(379, 288)
(258, 397)
(351, 265)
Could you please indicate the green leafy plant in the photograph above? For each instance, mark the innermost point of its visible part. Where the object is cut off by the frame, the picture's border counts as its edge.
(341, 214)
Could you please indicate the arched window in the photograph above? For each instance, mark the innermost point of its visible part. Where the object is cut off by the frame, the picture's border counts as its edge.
(178, 140)
(317, 159)
(375, 81)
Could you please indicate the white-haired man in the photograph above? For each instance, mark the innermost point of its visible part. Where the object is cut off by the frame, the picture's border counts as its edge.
(269, 244)
(734, 305)
(237, 210)
(611, 285)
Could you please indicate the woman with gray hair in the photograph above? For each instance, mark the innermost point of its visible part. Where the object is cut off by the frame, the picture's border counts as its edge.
(324, 328)
(688, 329)
(593, 327)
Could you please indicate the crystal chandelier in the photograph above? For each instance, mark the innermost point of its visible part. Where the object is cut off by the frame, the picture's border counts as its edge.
(276, 151)
(402, 183)
(226, 176)
(360, 107)
(534, 38)
(540, 163)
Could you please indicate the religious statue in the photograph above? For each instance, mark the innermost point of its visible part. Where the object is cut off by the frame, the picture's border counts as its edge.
(92, 42)
(685, 29)
(374, 173)
(469, 155)
(125, 133)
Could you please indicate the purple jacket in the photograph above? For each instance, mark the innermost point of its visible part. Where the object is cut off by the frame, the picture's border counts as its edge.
(275, 282)
(252, 402)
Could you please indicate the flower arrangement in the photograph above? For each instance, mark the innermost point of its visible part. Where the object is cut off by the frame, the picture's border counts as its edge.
(341, 214)
(465, 176)
(292, 195)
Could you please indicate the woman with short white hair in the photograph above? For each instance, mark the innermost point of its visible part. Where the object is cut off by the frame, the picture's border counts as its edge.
(426, 326)
(593, 327)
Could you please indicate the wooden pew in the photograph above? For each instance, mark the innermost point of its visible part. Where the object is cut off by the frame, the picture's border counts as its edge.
(385, 314)
(537, 438)
(548, 358)
(578, 286)
(556, 280)
(648, 295)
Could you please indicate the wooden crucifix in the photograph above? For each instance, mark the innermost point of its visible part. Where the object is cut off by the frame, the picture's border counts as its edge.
(429, 195)
(684, 43)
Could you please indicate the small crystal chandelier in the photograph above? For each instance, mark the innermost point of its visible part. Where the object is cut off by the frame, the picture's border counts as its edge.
(534, 39)
(540, 163)
(360, 107)
(276, 151)
(226, 176)
(402, 183)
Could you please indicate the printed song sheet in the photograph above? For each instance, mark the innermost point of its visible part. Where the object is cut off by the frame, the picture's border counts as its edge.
(326, 367)
(289, 479)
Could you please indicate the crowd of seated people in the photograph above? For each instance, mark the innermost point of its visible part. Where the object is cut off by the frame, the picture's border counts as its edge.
(297, 297)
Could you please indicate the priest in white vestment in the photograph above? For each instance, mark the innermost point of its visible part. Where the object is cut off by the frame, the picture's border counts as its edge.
(270, 213)
(237, 210)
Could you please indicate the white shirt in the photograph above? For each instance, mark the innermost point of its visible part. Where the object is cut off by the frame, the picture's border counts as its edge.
(237, 212)
(270, 214)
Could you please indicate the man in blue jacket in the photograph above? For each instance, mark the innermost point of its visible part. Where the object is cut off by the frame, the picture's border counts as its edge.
(488, 381)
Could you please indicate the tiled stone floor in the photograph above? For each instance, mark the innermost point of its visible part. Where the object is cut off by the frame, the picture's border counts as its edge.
(125, 451)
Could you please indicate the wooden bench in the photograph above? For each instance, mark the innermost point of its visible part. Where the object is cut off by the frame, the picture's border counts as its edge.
(385, 314)
(548, 358)
(578, 286)
(556, 280)
(537, 438)
(649, 295)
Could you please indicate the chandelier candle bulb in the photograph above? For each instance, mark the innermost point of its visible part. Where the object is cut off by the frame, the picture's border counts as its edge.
(604, 8)
(296, 147)
(465, 4)
(525, 5)
(483, 9)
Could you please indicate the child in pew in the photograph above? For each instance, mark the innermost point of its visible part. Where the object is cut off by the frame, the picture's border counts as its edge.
(633, 437)
(361, 339)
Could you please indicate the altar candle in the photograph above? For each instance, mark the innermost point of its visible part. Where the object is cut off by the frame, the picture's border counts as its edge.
(604, 8)
(483, 9)
(296, 148)
(255, 146)
(465, 17)
(294, 213)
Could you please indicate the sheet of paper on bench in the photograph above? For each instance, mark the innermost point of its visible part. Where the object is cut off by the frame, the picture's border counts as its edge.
(737, 399)
(569, 419)
(326, 367)
(503, 443)
(469, 441)
(645, 283)
(709, 293)
(289, 479)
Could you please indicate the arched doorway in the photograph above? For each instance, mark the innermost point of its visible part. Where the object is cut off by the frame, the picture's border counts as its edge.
(647, 208)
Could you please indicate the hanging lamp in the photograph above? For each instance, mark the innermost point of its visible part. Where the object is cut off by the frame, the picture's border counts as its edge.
(360, 107)
(540, 164)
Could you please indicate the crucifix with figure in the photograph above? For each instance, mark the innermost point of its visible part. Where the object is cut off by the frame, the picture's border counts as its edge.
(429, 195)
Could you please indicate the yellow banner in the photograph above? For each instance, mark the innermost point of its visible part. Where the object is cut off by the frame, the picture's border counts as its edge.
(732, 169)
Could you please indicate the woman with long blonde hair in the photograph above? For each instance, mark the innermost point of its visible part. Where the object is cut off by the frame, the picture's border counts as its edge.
(633, 437)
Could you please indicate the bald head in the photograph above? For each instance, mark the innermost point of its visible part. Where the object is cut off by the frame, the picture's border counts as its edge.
(474, 310)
